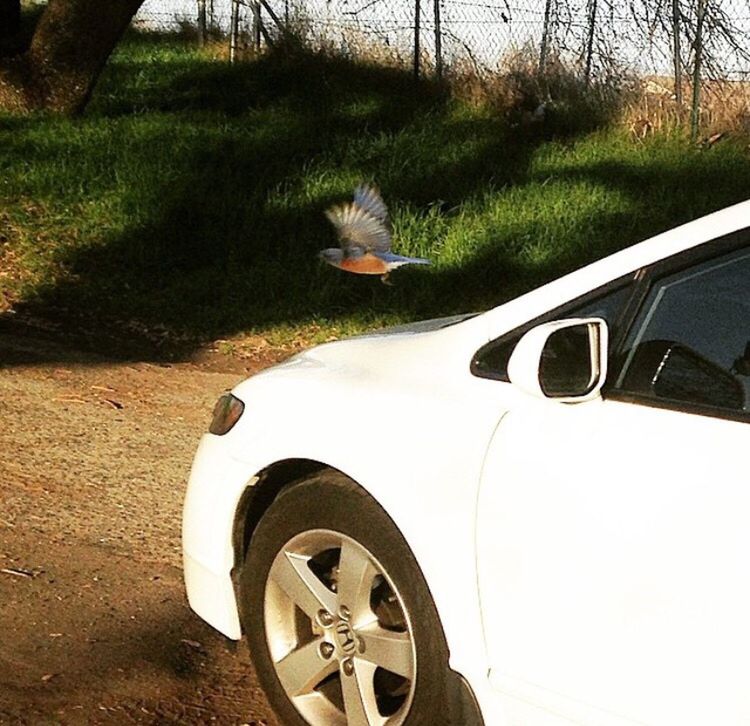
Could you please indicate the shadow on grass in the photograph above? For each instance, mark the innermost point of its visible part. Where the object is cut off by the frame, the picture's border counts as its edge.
(201, 188)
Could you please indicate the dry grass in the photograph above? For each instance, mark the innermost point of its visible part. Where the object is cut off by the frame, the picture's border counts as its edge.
(300, 35)
(556, 97)
(724, 108)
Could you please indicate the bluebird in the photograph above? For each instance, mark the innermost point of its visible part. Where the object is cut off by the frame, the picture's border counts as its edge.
(365, 231)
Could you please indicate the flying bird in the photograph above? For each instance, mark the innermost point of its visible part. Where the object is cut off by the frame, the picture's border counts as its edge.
(365, 232)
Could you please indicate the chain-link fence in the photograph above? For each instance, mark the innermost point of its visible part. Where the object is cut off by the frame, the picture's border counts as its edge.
(675, 44)
(595, 34)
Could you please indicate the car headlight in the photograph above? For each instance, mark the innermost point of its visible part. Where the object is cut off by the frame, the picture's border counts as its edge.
(227, 412)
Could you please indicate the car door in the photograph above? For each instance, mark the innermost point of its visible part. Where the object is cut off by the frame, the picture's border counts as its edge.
(613, 536)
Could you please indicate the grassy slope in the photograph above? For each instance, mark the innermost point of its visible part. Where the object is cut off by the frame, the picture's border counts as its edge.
(190, 196)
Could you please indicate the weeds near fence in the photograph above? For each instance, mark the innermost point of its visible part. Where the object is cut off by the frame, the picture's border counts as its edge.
(556, 98)
(724, 109)
(521, 83)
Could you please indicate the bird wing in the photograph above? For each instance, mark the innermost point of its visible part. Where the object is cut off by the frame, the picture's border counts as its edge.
(369, 199)
(359, 231)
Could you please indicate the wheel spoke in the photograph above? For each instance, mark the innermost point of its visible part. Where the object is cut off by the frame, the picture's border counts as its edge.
(304, 668)
(291, 573)
(388, 649)
(358, 691)
(356, 573)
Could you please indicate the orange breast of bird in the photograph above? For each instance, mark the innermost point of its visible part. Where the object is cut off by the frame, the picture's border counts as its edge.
(366, 265)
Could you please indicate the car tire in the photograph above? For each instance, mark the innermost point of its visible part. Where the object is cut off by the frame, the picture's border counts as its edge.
(309, 515)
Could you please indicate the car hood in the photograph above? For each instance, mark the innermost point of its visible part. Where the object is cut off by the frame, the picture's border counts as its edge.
(420, 352)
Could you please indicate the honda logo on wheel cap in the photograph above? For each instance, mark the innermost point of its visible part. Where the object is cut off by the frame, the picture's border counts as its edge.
(345, 637)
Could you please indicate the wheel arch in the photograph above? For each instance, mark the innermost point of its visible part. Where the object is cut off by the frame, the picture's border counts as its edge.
(270, 481)
(256, 499)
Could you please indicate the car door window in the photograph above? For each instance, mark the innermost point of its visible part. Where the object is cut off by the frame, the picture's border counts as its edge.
(690, 343)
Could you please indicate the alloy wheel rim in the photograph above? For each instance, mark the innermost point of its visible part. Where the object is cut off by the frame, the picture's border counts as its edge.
(338, 632)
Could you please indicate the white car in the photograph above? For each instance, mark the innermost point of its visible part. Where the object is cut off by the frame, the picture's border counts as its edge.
(536, 515)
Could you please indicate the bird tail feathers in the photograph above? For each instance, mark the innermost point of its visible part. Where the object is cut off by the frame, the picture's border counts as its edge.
(398, 260)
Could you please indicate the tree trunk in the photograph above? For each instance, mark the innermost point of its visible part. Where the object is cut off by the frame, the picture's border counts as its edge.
(417, 31)
(71, 44)
(697, 60)
(677, 53)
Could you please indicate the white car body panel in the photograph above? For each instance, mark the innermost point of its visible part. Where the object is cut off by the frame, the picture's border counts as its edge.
(640, 557)
(403, 416)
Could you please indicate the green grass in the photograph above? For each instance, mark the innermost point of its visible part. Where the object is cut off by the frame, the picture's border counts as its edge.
(188, 200)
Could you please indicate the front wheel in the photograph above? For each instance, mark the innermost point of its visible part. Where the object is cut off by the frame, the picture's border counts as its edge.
(341, 626)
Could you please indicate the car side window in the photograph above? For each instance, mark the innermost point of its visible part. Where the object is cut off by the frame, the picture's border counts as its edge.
(491, 361)
(690, 343)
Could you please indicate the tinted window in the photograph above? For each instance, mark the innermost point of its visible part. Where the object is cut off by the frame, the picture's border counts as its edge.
(607, 307)
(691, 340)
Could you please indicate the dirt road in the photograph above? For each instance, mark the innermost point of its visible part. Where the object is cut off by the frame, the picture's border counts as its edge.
(94, 456)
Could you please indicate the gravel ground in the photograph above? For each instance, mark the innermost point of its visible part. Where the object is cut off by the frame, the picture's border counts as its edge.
(94, 455)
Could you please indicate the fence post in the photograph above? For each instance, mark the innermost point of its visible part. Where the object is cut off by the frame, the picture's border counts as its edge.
(677, 52)
(698, 57)
(438, 42)
(202, 29)
(590, 39)
(417, 24)
(256, 24)
(544, 48)
(234, 28)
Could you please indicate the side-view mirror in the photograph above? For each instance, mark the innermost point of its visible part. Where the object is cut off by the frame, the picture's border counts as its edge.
(565, 360)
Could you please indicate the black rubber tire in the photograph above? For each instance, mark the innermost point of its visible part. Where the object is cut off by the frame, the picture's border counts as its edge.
(330, 500)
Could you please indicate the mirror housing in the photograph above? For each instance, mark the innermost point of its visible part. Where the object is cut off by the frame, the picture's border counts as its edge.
(564, 360)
